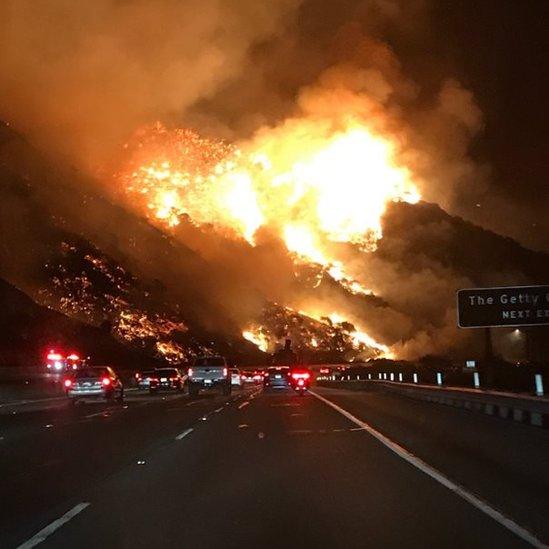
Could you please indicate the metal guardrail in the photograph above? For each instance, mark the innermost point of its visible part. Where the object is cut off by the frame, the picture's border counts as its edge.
(525, 409)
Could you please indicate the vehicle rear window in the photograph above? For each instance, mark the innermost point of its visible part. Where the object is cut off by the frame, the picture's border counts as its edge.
(148, 373)
(272, 371)
(92, 372)
(166, 372)
(210, 361)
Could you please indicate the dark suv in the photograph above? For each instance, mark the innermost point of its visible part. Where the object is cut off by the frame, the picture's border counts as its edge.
(277, 377)
(167, 379)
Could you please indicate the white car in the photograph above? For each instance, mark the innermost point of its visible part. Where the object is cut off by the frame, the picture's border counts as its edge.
(236, 379)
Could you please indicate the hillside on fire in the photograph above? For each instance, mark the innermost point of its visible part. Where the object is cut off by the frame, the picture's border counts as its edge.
(138, 264)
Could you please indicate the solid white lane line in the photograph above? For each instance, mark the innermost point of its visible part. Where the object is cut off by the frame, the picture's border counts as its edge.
(51, 528)
(243, 404)
(183, 434)
(400, 451)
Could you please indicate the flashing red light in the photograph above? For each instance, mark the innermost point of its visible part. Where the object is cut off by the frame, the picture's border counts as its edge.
(54, 356)
(73, 356)
(68, 383)
(305, 375)
(106, 381)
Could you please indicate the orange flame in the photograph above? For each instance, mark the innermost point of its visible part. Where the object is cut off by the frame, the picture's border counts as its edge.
(310, 181)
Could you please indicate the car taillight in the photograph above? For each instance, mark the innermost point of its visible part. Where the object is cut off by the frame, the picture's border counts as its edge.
(137, 375)
(225, 372)
(190, 372)
(68, 382)
(106, 381)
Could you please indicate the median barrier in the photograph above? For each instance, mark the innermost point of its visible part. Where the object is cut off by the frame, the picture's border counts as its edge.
(525, 409)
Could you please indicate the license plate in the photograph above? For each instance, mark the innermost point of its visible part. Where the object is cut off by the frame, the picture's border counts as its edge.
(278, 377)
(207, 381)
(163, 379)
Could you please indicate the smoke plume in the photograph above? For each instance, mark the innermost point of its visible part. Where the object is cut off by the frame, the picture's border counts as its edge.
(80, 77)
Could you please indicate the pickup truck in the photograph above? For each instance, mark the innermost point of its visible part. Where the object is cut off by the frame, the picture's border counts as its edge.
(209, 372)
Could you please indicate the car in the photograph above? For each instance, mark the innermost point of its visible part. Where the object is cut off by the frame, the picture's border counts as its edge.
(143, 379)
(209, 372)
(94, 382)
(277, 377)
(166, 379)
(247, 377)
(236, 377)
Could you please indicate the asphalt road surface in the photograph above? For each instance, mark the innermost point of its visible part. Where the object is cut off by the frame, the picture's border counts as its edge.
(269, 470)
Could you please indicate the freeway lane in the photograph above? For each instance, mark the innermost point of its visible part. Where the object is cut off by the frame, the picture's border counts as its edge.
(279, 471)
(51, 454)
(505, 463)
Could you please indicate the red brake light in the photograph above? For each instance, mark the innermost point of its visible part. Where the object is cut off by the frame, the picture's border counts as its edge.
(106, 381)
(54, 356)
(137, 375)
(68, 382)
(225, 372)
(190, 372)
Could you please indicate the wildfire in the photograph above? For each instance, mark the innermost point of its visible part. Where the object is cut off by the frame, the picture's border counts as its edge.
(314, 183)
(310, 185)
(257, 336)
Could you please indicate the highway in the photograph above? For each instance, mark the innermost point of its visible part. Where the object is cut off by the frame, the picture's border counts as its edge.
(256, 469)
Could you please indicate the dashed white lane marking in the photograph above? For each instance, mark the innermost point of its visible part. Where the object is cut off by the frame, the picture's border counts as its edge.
(193, 402)
(31, 401)
(243, 405)
(51, 528)
(97, 414)
(479, 504)
(218, 410)
(184, 434)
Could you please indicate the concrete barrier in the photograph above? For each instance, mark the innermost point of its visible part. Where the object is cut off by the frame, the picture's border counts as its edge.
(525, 409)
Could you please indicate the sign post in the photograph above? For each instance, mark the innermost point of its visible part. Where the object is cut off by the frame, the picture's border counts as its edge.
(500, 307)
(509, 306)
